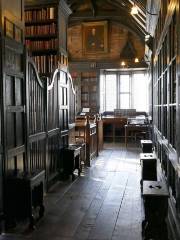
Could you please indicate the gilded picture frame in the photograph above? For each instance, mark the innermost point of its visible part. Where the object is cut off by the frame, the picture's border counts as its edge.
(95, 37)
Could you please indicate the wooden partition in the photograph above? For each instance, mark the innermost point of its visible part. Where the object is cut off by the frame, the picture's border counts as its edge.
(47, 119)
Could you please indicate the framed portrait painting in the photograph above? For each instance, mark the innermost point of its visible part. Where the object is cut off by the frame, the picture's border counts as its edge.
(95, 37)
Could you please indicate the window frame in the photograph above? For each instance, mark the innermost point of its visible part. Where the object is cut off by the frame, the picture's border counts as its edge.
(119, 93)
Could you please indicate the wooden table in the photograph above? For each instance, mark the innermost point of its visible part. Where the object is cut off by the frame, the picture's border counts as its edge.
(115, 123)
(134, 128)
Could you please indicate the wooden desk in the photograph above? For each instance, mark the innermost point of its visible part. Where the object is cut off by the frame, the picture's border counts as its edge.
(135, 128)
(114, 123)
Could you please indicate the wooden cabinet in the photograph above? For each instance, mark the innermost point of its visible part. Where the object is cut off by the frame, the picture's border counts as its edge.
(23, 195)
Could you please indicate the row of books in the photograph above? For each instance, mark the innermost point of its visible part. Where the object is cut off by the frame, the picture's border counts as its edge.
(89, 80)
(42, 45)
(41, 30)
(40, 14)
(46, 64)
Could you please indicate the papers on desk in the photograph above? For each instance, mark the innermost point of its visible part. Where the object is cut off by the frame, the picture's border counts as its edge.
(141, 117)
(85, 110)
(138, 121)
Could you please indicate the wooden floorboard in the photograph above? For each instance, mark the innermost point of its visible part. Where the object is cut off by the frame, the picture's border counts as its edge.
(103, 204)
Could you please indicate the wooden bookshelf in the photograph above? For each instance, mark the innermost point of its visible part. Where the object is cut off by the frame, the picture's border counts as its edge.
(89, 91)
(166, 97)
(43, 35)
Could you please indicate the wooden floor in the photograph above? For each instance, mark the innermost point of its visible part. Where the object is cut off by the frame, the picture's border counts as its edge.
(104, 203)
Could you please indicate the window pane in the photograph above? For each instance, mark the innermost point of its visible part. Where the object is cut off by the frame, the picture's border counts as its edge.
(124, 101)
(102, 93)
(140, 90)
(111, 92)
(124, 83)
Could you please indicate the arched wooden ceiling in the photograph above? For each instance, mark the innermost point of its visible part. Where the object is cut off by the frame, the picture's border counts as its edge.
(113, 10)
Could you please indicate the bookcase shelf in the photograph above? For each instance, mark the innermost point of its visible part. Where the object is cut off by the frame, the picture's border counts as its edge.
(44, 35)
(166, 96)
(44, 52)
(40, 22)
(89, 91)
(41, 36)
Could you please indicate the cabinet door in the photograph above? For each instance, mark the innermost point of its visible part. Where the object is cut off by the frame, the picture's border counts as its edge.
(14, 106)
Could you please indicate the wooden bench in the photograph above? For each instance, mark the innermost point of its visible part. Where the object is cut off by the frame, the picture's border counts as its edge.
(23, 196)
(155, 196)
(72, 160)
(148, 163)
(147, 146)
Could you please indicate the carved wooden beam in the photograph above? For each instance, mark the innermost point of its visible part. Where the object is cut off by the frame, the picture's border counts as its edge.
(113, 15)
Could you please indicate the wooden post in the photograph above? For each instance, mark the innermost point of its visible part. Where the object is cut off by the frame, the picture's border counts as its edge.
(88, 143)
(97, 135)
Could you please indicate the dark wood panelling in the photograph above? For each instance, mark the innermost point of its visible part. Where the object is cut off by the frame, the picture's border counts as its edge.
(12, 86)
(36, 103)
(14, 101)
(48, 119)
(166, 99)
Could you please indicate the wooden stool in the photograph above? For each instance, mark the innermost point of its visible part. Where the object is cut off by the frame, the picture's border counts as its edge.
(142, 134)
(72, 160)
(155, 196)
(147, 146)
(148, 167)
(82, 151)
(24, 193)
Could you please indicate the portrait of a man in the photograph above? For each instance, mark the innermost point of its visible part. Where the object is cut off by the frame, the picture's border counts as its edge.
(95, 37)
